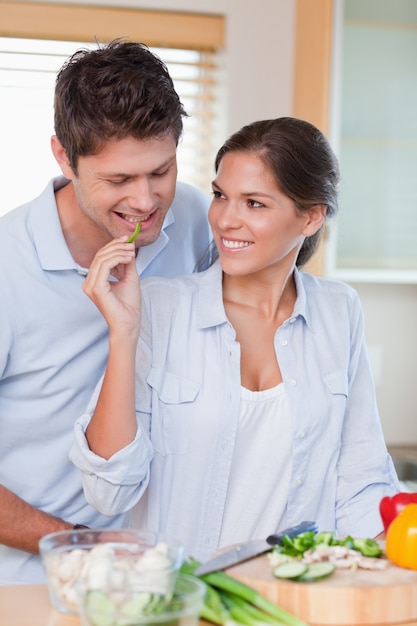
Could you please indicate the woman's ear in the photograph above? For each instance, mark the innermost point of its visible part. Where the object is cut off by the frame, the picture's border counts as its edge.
(316, 216)
(61, 157)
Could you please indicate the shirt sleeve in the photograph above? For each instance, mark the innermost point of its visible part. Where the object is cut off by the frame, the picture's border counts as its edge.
(112, 485)
(365, 469)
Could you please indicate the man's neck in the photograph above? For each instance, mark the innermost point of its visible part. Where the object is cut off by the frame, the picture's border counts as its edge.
(83, 237)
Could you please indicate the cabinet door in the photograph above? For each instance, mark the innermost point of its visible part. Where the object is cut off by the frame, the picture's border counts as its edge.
(374, 130)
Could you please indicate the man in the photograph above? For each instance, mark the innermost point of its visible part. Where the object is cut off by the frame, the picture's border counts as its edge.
(118, 121)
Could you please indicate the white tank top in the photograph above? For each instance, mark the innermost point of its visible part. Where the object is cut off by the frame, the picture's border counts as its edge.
(261, 467)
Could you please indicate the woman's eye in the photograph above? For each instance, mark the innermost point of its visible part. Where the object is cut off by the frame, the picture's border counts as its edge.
(217, 194)
(255, 204)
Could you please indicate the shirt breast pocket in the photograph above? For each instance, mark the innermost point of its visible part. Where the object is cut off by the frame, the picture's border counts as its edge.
(336, 384)
(173, 408)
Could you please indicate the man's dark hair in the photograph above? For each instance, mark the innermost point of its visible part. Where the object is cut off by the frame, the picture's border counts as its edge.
(118, 90)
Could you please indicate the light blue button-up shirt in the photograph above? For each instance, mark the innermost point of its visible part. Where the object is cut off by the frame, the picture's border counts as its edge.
(174, 475)
(53, 350)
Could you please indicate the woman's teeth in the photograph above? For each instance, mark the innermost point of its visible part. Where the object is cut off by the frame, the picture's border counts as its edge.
(235, 244)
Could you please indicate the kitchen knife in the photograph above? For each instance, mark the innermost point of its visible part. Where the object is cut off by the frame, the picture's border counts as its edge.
(250, 549)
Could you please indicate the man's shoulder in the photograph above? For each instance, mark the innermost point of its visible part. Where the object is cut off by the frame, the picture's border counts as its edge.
(14, 223)
(19, 216)
(189, 197)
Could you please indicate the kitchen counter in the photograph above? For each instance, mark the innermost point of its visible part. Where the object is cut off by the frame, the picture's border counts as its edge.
(29, 605)
(405, 461)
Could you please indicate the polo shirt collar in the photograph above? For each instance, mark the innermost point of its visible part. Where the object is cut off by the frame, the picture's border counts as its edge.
(48, 237)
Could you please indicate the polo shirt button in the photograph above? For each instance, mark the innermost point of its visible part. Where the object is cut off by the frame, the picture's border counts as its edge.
(292, 382)
(284, 342)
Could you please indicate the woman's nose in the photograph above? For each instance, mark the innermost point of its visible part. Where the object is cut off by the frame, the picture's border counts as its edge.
(228, 217)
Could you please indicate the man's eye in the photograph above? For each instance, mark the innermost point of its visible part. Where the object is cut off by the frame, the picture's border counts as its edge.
(159, 174)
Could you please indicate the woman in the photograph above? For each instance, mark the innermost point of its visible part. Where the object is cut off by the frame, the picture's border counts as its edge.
(253, 406)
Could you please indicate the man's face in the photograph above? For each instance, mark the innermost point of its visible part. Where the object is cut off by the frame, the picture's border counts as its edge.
(130, 180)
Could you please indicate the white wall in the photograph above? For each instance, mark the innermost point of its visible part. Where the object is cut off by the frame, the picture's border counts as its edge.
(391, 333)
(259, 59)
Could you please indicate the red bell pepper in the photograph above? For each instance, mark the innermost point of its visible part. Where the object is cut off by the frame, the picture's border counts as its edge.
(390, 507)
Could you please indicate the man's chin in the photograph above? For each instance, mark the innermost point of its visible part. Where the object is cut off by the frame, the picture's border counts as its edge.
(146, 239)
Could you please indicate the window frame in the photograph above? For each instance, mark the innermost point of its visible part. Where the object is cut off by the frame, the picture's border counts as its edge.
(170, 29)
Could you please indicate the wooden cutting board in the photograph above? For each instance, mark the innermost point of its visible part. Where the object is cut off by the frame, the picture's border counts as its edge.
(345, 598)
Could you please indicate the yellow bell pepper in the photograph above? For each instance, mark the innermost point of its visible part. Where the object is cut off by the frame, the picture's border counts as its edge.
(401, 538)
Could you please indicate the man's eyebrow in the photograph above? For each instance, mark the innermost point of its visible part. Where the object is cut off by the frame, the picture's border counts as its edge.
(170, 160)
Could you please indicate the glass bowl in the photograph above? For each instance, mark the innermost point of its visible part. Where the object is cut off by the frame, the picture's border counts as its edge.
(132, 606)
(105, 559)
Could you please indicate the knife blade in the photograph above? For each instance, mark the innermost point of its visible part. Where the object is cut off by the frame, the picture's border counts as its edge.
(250, 549)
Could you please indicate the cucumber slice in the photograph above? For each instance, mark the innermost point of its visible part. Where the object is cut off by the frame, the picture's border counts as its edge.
(290, 570)
(137, 604)
(317, 571)
(100, 608)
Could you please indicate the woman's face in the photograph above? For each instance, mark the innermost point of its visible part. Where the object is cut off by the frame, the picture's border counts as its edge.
(255, 225)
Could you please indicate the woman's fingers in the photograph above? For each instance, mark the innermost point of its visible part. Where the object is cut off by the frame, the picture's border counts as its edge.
(103, 265)
(118, 300)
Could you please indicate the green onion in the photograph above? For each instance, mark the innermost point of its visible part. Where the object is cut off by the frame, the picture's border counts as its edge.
(229, 602)
(135, 234)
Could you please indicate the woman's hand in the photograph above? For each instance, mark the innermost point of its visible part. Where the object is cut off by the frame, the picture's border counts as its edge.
(118, 300)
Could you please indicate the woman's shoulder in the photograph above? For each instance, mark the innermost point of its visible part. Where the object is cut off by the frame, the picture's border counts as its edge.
(323, 285)
(329, 296)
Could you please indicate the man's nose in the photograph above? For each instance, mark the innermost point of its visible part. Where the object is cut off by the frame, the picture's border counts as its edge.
(140, 195)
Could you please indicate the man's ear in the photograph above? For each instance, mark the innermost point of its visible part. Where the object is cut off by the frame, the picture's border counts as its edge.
(61, 157)
(316, 215)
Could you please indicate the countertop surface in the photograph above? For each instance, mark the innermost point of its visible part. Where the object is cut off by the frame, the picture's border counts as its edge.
(29, 605)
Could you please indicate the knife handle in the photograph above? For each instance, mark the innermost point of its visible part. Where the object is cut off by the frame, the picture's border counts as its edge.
(303, 527)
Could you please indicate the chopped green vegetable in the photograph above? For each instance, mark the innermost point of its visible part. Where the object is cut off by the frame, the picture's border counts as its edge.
(103, 611)
(367, 547)
(297, 545)
(135, 233)
(301, 572)
(317, 571)
(292, 569)
(137, 604)
(100, 608)
(325, 537)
